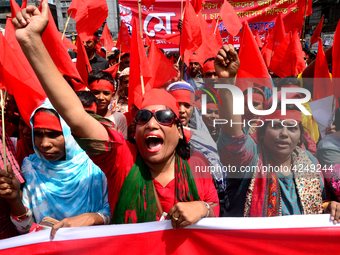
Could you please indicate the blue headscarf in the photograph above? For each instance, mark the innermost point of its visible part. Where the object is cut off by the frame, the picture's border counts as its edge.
(63, 188)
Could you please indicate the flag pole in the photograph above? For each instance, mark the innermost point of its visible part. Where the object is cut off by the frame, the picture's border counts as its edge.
(120, 52)
(216, 27)
(182, 10)
(140, 18)
(106, 48)
(68, 19)
(3, 129)
(304, 24)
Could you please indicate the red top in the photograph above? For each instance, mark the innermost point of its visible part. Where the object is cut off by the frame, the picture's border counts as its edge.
(121, 155)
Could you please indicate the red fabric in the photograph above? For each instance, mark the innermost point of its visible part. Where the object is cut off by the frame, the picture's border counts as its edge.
(46, 121)
(191, 36)
(255, 97)
(230, 19)
(336, 62)
(182, 95)
(89, 15)
(209, 47)
(15, 8)
(77, 85)
(27, 92)
(258, 39)
(55, 47)
(139, 66)
(302, 7)
(123, 40)
(147, 40)
(102, 84)
(24, 4)
(292, 63)
(148, 3)
(317, 32)
(275, 38)
(162, 69)
(173, 38)
(249, 54)
(279, 54)
(323, 86)
(197, 4)
(68, 44)
(83, 63)
(106, 39)
(117, 163)
(160, 97)
(112, 70)
(208, 67)
(93, 107)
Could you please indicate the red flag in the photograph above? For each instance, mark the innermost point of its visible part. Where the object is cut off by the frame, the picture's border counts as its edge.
(317, 32)
(216, 31)
(89, 16)
(292, 63)
(55, 47)
(197, 4)
(275, 38)
(148, 3)
(15, 8)
(14, 44)
(249, 54)
(230, 19)
(106, 39)
(162, 69)
(27, 92)
(279, 53)
(209, 48)
(123, 40)
(173, 38)
(68, 44)
(302, 7)
(112, 70)
(24, 4)
(191, 37)
(147, 40)
(336, 62)
(83, 63)
(258, 39)
(139, 68)
(323, 86)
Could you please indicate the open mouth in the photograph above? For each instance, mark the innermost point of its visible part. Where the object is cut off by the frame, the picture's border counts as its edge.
(153, 142)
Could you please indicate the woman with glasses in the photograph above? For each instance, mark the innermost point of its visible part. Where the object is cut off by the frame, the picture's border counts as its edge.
(145, 179)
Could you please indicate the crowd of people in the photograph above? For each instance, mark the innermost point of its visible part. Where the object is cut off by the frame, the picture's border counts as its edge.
(86, 158)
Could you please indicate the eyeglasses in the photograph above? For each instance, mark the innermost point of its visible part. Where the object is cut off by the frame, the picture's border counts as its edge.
(163, 117)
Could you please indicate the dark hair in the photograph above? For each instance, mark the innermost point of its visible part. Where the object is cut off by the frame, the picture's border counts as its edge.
(126, 55)
(289, 80)
(262, 130)
(87, 98)
(97, 75)
(113, 56)
(209, 59)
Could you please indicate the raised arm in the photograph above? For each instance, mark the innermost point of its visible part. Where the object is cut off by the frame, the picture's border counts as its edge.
(226, 66)
(30, 24)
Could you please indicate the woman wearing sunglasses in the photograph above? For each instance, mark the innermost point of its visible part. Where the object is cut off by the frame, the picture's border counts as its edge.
(144, 180)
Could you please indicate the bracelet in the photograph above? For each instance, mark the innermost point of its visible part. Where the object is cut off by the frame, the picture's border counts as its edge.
(208, 207)
(105, 218)
(20, 216)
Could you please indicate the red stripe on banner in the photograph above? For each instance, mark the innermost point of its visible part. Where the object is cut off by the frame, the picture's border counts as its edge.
(197, 241)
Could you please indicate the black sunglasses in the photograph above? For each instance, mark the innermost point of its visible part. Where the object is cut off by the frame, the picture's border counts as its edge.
(163, 117)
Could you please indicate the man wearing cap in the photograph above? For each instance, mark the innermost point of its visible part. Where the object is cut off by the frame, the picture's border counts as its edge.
(96, 61)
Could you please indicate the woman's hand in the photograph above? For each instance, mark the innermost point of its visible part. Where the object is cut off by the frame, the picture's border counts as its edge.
(334, 209)
(9, 185)
(227, 62)
(30, 22)
(82, 220)
(186, 213)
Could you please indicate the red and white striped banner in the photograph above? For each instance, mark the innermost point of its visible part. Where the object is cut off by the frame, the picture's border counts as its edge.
(313, 234)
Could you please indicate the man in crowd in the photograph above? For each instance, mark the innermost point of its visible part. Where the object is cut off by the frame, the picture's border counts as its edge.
(96, 61)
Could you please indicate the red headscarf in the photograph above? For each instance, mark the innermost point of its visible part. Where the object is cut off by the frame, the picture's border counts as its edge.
(160, 97)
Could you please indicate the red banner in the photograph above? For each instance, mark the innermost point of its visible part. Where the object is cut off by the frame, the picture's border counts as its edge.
(308, 234)
(162, 17)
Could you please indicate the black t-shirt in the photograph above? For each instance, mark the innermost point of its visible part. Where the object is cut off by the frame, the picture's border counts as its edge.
(99, 63)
